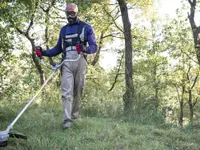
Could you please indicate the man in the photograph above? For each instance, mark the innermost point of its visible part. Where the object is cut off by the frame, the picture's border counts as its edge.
(72, 41)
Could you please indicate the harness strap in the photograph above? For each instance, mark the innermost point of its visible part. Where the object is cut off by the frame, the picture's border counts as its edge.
(70, 48)
(81, 25)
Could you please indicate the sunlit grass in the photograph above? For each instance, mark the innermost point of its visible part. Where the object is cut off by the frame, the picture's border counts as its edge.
(43, 129)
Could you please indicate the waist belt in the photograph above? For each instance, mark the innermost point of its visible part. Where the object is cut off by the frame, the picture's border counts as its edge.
(70, 48)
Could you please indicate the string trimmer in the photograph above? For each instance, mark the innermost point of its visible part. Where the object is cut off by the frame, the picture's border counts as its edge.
(4, 135)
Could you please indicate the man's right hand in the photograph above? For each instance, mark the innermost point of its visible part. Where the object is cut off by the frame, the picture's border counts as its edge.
(38, 51)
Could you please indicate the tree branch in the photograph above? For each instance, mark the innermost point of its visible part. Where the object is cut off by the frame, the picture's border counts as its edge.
(192, 13)
(96, 58)
(113, 19)
(116, 77)
(188, 78)
(111, 35)
(190, 2)
(195, 80)
(30, 25)
(194, 103)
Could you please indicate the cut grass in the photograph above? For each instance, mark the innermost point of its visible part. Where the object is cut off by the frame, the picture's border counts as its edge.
(44, 132)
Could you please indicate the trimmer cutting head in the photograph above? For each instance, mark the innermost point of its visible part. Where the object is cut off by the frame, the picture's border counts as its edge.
(3, 138)
(4, 135)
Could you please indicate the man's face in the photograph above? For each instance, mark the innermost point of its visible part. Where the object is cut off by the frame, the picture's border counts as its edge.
(71, 16)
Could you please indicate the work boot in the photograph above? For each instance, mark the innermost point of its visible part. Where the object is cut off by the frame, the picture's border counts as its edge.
(67, 125)
(74, 119)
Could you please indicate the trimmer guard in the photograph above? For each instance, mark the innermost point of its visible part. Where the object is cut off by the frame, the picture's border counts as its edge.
(3, 138)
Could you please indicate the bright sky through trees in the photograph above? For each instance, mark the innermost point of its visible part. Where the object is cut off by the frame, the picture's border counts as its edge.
(164, 7)
(168, 7)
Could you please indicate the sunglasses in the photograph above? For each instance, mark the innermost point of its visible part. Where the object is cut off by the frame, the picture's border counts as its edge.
(71, 13)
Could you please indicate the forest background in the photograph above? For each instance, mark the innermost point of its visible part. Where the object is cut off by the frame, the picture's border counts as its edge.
(154, 79)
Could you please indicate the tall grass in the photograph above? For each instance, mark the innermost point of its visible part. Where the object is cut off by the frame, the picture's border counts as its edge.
(42, 125)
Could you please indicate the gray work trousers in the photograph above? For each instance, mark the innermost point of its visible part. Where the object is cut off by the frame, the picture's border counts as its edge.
(72, 84)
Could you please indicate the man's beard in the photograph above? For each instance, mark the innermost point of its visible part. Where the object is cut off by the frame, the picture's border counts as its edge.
(72, 20)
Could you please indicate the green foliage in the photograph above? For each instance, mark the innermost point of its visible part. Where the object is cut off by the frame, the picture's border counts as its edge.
(97, 101)
(183, 69)
(5, 57)
(18, 14)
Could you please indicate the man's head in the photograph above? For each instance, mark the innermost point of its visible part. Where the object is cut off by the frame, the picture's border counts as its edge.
(71, 12)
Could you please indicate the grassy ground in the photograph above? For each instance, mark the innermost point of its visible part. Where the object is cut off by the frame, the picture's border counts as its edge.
(44, 132)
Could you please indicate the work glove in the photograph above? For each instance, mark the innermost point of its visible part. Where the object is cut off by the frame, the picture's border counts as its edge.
(80, 48)
(39, 51)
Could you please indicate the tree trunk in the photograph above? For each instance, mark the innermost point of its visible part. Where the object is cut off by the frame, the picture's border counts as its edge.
(27, 35)
(190, 106)
(36, 62)
(195, 29)
(155, 83)
(180, 119)
(96, 58)
(156, 98)
(128, 96)
(47, 22)
(190, 97)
